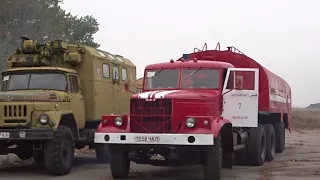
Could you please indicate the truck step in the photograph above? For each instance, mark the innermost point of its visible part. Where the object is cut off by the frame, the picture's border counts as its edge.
(238, 147)
(82, 138)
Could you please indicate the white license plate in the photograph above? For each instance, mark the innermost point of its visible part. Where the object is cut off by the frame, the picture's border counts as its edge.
(147, 139)
(4, 135)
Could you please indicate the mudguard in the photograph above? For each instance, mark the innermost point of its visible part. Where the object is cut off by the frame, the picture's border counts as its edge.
(218, 124)
(55, 117)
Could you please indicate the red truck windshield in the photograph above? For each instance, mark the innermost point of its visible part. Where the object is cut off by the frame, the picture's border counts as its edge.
(189, 79)
(162, 79)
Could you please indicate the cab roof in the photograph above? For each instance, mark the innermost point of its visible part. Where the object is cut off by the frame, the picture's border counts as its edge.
(107, 55)
(42, 68)
(189, 64)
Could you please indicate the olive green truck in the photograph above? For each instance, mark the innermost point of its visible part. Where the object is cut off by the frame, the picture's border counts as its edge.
(53, 96)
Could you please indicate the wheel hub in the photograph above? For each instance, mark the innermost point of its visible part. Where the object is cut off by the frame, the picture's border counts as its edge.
(65, 151)
(263, 148)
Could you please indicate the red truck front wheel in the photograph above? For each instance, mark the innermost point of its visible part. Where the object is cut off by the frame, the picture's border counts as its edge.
(119, 161)
(213, 160)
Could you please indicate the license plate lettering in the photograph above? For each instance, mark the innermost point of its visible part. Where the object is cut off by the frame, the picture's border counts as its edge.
(147, 139)
(4, 135)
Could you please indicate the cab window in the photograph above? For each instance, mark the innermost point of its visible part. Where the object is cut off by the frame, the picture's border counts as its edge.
(116, 72)
(124, 74)
(74, 86)
(106, 70)
(230, 79)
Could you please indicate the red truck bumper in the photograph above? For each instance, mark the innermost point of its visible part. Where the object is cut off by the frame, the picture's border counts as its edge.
(155, 139)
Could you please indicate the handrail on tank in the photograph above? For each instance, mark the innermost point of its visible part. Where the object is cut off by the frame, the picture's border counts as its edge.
(218, 46)
(196, 50)
(230, 48)
(204, 48)
(234, 50)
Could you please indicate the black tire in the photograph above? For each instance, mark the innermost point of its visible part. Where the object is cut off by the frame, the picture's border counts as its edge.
(240, 156)
(59, 152)
(213, 160)
(102, 153)
(284, 137)
(271, 142)
(279, 129)
(227, 160)
(256, 146)
(119, 161)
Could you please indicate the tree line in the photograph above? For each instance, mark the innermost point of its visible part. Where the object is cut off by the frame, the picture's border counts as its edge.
(43, 20)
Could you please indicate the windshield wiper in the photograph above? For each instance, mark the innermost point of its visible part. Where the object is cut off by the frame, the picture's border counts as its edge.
(192, 73)
(158, 71)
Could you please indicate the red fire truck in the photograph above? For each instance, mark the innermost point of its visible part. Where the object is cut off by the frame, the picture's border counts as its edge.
(201, 109)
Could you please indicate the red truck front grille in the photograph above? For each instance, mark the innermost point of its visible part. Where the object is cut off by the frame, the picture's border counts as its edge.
(151, 116)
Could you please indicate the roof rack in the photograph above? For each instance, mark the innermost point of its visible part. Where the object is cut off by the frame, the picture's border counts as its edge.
(229, 48)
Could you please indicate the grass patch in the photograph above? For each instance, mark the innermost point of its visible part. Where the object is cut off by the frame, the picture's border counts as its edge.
(305, 118)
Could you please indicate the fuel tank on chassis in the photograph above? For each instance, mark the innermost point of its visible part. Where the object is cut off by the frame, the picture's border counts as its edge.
(165, 111)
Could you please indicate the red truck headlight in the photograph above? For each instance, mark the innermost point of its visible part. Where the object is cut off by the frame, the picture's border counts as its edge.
(115, 120)
(198, 122)
(118, 121)
(190, 122)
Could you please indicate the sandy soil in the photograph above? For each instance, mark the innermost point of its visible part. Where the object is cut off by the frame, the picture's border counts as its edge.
(300, 161)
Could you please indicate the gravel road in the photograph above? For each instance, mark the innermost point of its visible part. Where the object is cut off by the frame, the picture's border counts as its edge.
(300, 161)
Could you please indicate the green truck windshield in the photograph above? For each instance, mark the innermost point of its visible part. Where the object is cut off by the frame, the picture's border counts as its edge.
(35, 81)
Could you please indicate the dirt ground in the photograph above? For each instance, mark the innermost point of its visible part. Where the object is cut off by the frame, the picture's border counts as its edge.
(300, 161)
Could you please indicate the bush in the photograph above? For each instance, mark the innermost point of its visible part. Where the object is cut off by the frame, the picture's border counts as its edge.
(305, 118)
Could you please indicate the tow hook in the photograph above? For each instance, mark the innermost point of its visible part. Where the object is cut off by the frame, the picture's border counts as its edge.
(174, 153)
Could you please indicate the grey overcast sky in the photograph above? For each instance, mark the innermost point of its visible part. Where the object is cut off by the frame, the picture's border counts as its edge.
(282, 35)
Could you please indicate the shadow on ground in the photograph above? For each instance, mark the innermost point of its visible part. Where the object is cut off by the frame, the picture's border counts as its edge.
(29, 166)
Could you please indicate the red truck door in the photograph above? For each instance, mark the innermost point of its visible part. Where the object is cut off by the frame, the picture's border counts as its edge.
(240, 97)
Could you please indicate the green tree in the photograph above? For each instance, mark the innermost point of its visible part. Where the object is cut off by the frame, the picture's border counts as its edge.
(82, 30)
(42, 20)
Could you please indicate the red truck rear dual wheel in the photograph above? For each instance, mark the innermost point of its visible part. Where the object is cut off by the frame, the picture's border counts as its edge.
(261, 146)
(270, 142)
(241, 156)
(279, 129)
(257, 146)
(254, 152)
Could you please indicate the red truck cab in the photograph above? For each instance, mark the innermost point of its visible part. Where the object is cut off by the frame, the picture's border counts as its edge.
(191, 112)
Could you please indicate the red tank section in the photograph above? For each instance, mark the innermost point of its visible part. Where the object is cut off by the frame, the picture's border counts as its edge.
(274, 92)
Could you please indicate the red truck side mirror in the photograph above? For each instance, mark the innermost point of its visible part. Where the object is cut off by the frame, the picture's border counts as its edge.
(126, 88)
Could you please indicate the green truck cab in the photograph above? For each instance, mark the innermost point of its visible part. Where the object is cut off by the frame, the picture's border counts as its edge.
(53, 96)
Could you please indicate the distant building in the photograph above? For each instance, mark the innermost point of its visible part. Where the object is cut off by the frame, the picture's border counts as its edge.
(314, 106)
(139, 84)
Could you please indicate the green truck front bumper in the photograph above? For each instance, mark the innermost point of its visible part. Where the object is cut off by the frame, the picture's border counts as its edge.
(26, 134)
